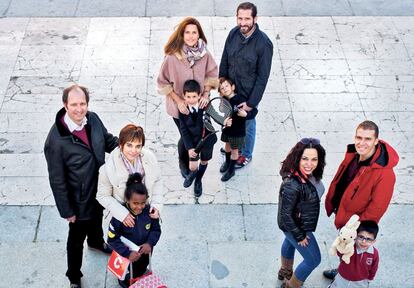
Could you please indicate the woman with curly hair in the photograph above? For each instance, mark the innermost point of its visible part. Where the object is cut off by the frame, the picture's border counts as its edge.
(299, 199)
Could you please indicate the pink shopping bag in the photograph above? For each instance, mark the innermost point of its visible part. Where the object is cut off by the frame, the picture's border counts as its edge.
(148, 280)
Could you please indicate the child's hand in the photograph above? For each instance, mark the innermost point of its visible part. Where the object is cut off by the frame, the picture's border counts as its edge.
(145, 249)
(182, 107)
(192, 153)
(241, 113)
(134, 256)
(227, 122)
(129, 221)
(154, 213)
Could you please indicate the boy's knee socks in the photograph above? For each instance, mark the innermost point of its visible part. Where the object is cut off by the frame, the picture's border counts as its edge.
(201, 170)
(232, 165)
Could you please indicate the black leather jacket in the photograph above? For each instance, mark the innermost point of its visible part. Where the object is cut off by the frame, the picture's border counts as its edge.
(298, 207)
(73, 166)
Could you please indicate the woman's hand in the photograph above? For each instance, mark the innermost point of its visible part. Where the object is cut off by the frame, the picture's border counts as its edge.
(145, 249)
(204, 100)
(134, 256)
(154, 213)
(304, 242)
(182, 107)
(129, 221)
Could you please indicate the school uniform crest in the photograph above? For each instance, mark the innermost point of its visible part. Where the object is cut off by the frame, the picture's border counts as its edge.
(369, 261)
(148, 226)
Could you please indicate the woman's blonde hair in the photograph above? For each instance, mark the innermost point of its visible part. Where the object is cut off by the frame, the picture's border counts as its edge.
(176, 41)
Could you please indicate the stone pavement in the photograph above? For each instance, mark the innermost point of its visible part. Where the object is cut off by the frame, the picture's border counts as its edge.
(328, 74)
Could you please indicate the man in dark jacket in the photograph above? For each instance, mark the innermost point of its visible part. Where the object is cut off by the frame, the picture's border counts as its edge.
(75, 149)
(246, 60)
(364, 182)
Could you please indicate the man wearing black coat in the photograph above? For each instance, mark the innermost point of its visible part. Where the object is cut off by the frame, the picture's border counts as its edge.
(74, 150)
(247, 60)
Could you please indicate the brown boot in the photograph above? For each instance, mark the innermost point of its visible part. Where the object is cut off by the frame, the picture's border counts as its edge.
(286, 270)
(293, 282)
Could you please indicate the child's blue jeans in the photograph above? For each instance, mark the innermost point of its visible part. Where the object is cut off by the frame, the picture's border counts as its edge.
(311, 254)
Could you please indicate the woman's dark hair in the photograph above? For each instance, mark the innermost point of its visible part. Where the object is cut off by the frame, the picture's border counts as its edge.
(291, 163)
(134, 185)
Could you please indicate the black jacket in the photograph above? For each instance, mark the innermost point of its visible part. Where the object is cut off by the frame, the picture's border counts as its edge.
(238, 126)
(191, 129)
(73, 166)
(298, 207)
(247, 62)
(146, 230)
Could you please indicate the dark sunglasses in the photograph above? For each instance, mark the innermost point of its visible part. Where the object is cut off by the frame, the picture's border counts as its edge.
(310, 141)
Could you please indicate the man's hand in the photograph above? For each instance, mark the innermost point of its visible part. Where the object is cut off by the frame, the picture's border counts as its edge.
(244, 107)
(129, 221)
(145, 249)
(228, 121)
(154, 213)
(182, 107)
(192, 153)
(71, 219)
(242, 113)
(134, 256)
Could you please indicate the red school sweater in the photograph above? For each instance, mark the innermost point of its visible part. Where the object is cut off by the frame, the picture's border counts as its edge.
(361, 266)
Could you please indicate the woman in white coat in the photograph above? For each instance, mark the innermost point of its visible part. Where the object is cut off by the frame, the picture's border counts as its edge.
(130, 157)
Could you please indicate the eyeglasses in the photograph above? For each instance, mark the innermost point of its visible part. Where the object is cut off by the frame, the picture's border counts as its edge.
(366, 239)
(310, 141)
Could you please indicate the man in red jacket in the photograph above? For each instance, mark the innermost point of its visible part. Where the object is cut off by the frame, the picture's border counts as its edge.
(364, 182)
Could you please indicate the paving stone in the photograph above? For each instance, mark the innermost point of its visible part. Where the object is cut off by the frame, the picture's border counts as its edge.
(264, 8)
(179, 8)
(203, 223)
(19, 224)
(111, 8)
(43, 8)
(52, 227)
(25, 190)
(375, 7)
(317, 8)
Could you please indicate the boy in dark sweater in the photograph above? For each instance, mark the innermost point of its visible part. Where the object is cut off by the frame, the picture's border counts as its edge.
(235, 131)
(364, 263)
(192, 132)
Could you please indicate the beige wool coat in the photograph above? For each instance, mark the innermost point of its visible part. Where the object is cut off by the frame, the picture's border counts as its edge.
(112, 183)
(175, 70)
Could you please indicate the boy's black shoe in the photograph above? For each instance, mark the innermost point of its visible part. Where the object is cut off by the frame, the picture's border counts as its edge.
(184, 169)
(227, 175)
(105, 248)
(190, 178)
(330, 274)
(224, 167)
(198, 189)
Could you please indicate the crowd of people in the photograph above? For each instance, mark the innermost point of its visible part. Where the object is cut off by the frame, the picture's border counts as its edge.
(128, 185)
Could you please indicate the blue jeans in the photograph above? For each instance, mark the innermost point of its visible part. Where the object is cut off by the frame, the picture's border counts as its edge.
(311, 254)
(250, 138)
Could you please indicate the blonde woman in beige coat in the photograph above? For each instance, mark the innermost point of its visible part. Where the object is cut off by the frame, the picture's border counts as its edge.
(130, 157)
(186, 58)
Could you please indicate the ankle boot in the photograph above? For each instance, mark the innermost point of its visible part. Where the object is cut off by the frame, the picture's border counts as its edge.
(293, 282)
(190, 178)
(230, 171)
(226, 163)
(286, 270)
